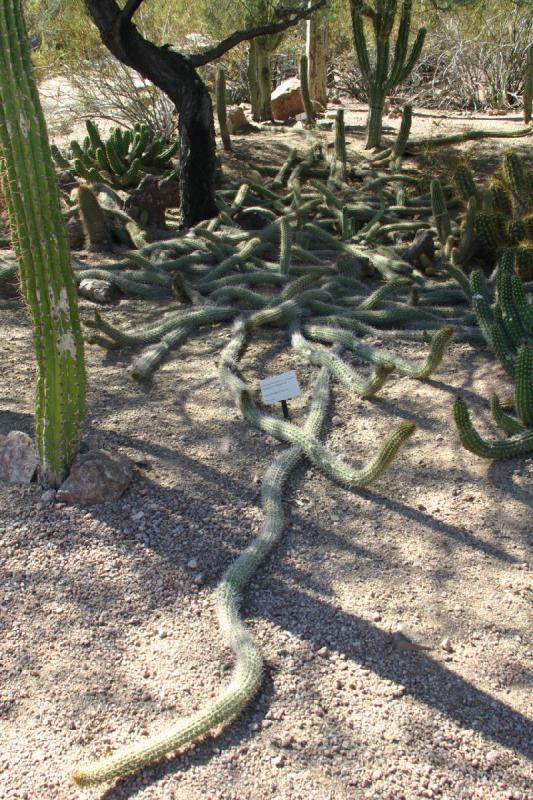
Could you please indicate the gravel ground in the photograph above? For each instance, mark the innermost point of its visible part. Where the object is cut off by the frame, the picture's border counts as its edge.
(394, 621)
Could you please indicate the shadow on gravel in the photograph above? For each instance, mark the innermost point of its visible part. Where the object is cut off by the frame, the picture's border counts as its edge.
(423, 678)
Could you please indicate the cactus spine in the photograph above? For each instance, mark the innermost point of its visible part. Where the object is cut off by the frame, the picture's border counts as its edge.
(380, 78)
(42, 250)
(221, 108)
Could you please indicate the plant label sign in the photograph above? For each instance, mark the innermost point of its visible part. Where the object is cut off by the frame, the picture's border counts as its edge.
(280, 387)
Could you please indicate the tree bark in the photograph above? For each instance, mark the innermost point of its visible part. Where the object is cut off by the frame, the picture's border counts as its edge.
(174, 75)
(317, 50)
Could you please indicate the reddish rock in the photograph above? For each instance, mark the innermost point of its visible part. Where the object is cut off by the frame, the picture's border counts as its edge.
(236, 120)
(96, 477)
(287, 99)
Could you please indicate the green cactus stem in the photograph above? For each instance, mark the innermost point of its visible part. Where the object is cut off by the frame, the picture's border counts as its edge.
(439, 209)
(518, 445)
(304, 89)
(508, 424)
(524, 384)
(528, 85)
(93, 220)
(466, 136)
(381, 77)
(314, 450)
(46, 278)
(248, 670)
(403, 136)
(285, 246)
(464, 180)
(340, 369)
(340, 146)
(375, 355)
(221, 108)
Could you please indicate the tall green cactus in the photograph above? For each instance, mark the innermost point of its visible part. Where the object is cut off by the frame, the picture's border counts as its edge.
(528, 85)
(381, 77)
(221, 108)
(29, 184)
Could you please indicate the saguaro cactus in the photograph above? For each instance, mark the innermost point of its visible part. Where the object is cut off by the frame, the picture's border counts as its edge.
(29, 184)
(381, 77)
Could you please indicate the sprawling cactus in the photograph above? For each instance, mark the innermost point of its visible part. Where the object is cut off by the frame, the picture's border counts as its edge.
(30, 187)
(381, 77)
(121, 160)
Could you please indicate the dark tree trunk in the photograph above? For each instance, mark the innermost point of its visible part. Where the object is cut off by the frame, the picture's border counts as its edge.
(176, 76)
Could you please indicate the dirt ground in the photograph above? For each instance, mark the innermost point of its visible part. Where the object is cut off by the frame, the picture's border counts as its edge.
(395, 621)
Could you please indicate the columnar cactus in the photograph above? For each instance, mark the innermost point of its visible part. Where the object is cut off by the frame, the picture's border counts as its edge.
(30, 186)
(381, 77)
(528, 85)
(221, 109)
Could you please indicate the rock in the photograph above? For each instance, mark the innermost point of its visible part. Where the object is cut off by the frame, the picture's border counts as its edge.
(192, 563)
(287, 99)
(48, 497)
(96, 290)
(96, 477)
(75, 234)
(236, 120)
(18, 458)
(446, 645)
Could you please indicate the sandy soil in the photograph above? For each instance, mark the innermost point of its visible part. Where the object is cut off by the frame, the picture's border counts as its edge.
(395, 621)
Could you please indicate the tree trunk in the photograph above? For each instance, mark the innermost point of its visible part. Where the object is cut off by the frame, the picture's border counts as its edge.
(197, 155)
(177, 78)
(317, 51)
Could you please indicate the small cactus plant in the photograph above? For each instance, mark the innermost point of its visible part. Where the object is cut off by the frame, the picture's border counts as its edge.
(121, 160)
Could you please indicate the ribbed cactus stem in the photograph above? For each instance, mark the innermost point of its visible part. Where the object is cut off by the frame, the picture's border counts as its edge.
(439, 209)
(340, 145)
(285, 246)
(221, 108)
(93, 220)
(403, 135)
(41, 244)
(304, 89)
(528, 85)
(248, 669)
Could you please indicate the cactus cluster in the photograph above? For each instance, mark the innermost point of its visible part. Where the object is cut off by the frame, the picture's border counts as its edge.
(121, 160)
(507, 325)
(498, 215)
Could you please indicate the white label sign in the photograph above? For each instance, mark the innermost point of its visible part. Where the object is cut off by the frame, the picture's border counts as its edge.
(280, 387)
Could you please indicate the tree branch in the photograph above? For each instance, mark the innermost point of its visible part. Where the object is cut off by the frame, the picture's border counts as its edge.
(289, 18)
(126, 14)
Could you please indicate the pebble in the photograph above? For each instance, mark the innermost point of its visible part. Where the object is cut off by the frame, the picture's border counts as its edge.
(446, 645)
(192, 563)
